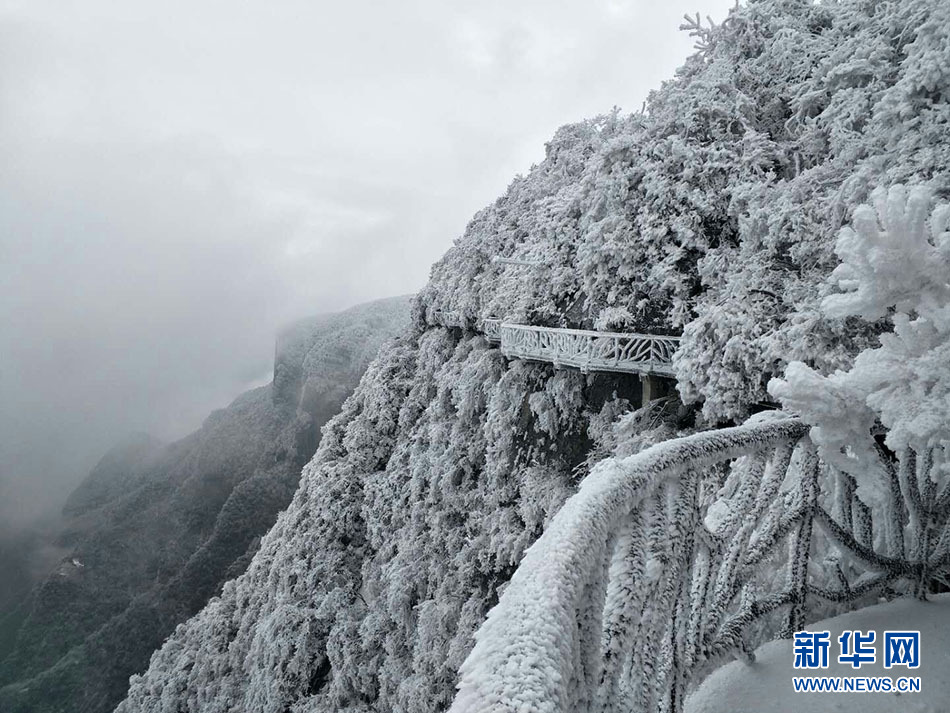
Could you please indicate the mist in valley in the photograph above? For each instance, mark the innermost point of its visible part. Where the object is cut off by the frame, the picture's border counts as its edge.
(177, 180)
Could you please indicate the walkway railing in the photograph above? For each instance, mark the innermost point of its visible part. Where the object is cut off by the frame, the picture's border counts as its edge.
(491, 328)
(590, 351)
(664, 561)
(448, 318)
(582, 349)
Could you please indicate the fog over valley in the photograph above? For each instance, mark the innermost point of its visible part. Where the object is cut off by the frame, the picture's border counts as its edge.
(179, 179)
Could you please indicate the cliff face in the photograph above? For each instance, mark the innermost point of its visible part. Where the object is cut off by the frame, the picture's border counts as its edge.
(426, 489)
(714, 212)
(154, 530)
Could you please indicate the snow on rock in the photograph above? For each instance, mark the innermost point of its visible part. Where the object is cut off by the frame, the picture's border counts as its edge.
(765, 686)
(419, 504)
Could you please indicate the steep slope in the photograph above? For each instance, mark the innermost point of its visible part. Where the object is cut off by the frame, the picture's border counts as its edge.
(113, 474)
(419, 504)
(26, 556)
(714, 212)
(154, 530)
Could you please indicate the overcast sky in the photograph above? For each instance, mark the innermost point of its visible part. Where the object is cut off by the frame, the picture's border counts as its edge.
(177, 179)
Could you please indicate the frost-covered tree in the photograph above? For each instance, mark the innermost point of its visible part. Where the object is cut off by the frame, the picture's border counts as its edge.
(895, 264)
(714, 211)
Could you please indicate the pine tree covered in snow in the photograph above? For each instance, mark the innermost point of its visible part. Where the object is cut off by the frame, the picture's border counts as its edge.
(713, 212)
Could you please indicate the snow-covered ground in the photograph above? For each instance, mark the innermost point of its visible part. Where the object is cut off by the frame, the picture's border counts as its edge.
(766, 685)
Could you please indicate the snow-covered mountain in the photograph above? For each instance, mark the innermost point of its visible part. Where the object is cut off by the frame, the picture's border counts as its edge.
(155, 529)
(713, 213)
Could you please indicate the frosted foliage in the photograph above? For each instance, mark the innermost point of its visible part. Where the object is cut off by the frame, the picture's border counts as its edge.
(897, 254)
(715, 211)
(842, 420)
(668, 562)
(895, 261)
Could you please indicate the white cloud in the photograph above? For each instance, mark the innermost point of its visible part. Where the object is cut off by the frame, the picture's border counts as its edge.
(178, 178)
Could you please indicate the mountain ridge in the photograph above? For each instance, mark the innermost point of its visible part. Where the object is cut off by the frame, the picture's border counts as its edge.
(155, 528)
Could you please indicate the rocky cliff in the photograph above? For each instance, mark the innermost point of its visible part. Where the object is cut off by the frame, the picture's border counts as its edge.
(155, 529)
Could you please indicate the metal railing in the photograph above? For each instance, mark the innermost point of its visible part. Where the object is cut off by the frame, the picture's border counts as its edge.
(590, 351)
(666, 561)
(578, 348)
(447, 318)
(491, 328)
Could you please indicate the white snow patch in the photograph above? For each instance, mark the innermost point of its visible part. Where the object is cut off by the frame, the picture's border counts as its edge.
(766, 685)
